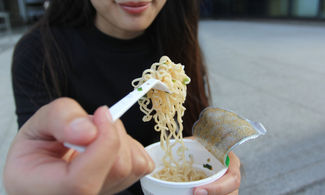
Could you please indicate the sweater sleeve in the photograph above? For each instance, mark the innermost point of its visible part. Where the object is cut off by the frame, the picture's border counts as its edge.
(29, 90)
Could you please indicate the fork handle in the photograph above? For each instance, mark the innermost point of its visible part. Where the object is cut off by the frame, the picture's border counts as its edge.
(120, 107)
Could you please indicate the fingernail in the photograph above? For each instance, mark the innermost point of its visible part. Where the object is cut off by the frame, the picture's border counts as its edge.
(108, 113)
(201, 192)
(82, 125)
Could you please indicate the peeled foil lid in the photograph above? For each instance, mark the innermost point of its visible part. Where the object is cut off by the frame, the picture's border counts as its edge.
(220, 131)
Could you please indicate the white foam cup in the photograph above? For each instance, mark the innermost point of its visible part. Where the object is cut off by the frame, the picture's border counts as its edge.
(151, 185)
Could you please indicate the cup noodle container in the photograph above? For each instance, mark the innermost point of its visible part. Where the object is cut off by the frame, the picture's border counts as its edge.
(201, 156)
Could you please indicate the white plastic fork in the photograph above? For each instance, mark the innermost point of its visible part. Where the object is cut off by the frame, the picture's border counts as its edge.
(119, 108)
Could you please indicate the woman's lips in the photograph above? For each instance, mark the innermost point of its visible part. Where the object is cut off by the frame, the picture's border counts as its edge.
(134, 7)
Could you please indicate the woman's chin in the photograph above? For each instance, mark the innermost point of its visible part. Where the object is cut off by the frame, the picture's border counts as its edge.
(136, 26)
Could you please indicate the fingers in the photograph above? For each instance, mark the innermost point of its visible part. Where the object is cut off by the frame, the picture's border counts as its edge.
(228, 183)
(132, 163)
(236, 192)
(86, 173)
(132, 155)
(92, 166)
(122, 166)
(142, 162)
(63, 120)
(111, 155)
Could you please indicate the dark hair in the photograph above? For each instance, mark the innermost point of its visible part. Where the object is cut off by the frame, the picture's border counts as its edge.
(175, 30)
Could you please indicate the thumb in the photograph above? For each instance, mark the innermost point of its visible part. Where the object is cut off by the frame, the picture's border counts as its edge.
(63, 120)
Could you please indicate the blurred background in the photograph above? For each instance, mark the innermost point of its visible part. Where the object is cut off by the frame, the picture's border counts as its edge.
(266, 61)
(284, 9)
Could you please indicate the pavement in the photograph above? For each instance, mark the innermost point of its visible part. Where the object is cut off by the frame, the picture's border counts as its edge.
(271, 72)
(8, 122)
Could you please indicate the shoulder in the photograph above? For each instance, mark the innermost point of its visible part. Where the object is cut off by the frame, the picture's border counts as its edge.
(28, 53)
(30, 42)
(33, 41)
(30, 49)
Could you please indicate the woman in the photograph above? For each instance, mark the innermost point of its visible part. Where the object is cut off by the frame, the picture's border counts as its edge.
(90, 51)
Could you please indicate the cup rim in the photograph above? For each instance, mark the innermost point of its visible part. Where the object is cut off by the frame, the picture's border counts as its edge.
(184, 184)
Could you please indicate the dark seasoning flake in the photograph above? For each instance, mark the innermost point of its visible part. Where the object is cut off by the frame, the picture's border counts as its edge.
(208, 166)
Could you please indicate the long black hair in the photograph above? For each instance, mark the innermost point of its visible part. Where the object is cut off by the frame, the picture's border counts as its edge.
(175, 30)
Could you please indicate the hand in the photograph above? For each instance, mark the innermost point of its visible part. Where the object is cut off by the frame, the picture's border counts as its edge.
(227, 184)
(38, 163)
